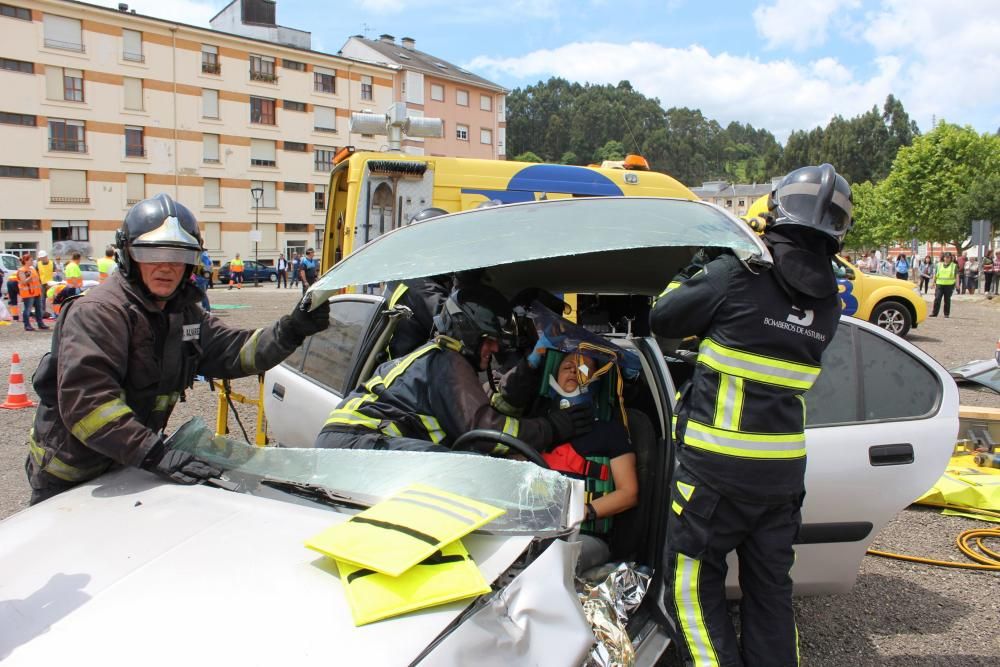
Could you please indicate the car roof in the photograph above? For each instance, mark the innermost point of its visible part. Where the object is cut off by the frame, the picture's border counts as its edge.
(630, 245)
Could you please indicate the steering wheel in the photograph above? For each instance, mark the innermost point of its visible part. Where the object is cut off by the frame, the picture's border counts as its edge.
(527, 451)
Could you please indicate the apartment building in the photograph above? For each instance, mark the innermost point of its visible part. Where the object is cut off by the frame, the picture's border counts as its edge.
(737, 198)
(473, 109)
(102, 108)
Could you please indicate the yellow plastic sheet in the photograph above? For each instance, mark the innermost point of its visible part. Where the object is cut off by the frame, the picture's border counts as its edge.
(447, 575)
(966, 484)
(403, 530)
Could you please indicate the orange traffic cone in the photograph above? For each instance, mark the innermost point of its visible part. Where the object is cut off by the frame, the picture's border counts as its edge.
(16, 396)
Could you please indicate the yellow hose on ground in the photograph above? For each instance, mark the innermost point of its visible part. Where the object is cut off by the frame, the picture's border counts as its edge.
(968, 541)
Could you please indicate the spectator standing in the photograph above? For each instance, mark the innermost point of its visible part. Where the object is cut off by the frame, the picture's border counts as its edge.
(926, 270)
(865, 263)
(282, 268)
(945, 276)
(960, 263)
(972, 275)
(46, 273)
(206, 269)
(296, 265)
(29, 288)
(106, 265)
(236, 272)
(308, 270)
(74, 276)
(12, 292)
(902, 267)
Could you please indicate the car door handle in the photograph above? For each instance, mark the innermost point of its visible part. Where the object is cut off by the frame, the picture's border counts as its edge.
(891, 455)
(278, 391)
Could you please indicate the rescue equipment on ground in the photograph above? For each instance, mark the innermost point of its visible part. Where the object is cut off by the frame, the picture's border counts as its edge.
(17, 397)
(403, 530)
(447, 575)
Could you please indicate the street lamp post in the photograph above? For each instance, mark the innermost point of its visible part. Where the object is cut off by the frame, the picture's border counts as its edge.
(257, 194)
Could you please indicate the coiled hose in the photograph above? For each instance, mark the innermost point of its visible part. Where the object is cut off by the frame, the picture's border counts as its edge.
(970, 543)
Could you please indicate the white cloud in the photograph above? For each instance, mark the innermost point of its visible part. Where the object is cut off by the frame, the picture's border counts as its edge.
(191, 12)
(798, 24)
(779, 95)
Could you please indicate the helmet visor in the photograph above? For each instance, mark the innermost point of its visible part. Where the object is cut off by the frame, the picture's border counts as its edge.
(160, 254)
(798, 202)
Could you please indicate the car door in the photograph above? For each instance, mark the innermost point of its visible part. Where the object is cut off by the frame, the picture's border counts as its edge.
(300, 392)
(881, 423)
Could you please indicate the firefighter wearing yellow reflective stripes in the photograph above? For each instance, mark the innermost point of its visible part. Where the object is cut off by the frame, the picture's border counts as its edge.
(741, 454)
(427, 399)
(124, 353)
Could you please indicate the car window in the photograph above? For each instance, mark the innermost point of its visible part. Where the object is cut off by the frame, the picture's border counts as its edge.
(329, 354)
(895, 385)
(835, 398)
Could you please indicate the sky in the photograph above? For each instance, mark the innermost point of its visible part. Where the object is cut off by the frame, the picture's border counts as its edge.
(781, 65)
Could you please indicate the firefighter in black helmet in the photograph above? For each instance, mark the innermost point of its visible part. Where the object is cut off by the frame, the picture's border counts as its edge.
(430, 397)
(741, 455)
(126, 351)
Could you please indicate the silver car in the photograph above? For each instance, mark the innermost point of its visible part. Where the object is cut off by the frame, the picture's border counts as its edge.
(220, 572)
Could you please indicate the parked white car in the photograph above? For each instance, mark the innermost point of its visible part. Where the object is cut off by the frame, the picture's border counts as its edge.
(218, 574)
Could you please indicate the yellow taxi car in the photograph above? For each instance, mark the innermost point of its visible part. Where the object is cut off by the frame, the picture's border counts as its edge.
(892, 304)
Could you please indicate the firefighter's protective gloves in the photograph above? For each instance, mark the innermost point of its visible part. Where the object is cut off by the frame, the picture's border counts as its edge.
(179, 466)
(570, 422)
(305, 322)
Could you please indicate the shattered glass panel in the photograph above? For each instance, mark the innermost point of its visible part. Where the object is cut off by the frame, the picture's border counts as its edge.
(529, 237)
(536, 500)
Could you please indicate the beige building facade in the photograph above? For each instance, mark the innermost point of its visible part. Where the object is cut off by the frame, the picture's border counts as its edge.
(102, 108)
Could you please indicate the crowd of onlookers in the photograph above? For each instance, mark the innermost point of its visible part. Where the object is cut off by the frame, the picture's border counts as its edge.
(973, 276)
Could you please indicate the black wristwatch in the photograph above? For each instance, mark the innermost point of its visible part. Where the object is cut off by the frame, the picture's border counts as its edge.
(590, 514)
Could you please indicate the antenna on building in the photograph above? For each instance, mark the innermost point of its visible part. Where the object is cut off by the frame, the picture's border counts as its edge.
(395, 123)
(365, 29)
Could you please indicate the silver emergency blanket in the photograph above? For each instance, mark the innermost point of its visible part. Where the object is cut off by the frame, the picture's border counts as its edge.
(536, 500)
(609, 594)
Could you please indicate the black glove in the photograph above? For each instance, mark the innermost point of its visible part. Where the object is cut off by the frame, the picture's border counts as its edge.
(304, 322)
(570, 422)
(179, 466)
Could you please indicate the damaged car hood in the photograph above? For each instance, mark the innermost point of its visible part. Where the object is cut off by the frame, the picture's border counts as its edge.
(129, 569)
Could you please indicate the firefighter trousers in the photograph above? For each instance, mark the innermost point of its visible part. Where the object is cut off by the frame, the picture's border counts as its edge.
(703, 527)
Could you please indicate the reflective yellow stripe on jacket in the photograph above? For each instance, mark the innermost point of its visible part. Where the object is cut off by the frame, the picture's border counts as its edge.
(98, 418)
(756, 367)
(746, 445)
(57, 468)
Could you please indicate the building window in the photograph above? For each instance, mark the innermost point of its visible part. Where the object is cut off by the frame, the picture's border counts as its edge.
(210, 148)
(135, 143)
(133, 93)
(7, 171)
(324, 80)
(132, 46)
(437, 92)
(262, 153)
(289, 105)
(18, 119)
(15, 12)
(209, 103)
(323, 158)
(743, 202)
(70, 230)
(262, 111)
(269, 199)
(297, 227)
(10, 225)
(366, 87)
(66, 135)
(62, 32)
(262, 69)
(486, 103)
(211, 188)
(68, 186)
(486, 136)
(135, 188)
(210, 59)
(462, 98)
(17, 65)
(729, 203)
(296, 187)
(325, 119)
(64, 84)
(462, 132)
(293, 64)
(296, 146)
(319, 197)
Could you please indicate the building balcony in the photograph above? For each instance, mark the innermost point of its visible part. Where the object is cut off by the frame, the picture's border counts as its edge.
(267, 77)
(65, 46)
(135, 151)
(133, 57)
(69, 200)
(263, 163)
(68, 145)
(211, 68)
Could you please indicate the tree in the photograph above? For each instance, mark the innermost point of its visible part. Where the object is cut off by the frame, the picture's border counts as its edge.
(871, 223)
(931, 185)
(612, 150)
(569, 157)
(527, 156)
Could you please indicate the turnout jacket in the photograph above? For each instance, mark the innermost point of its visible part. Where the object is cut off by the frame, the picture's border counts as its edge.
(431, 394)
(741, 420)
(118, 366)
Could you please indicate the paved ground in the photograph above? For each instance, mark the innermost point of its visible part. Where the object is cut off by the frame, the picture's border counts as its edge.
(897, 613)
